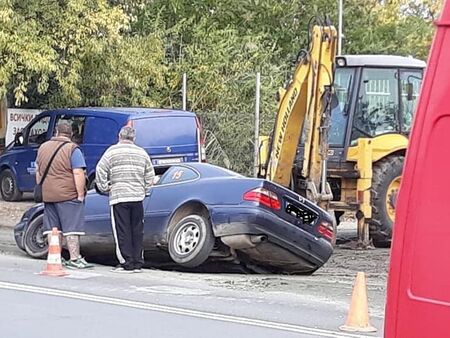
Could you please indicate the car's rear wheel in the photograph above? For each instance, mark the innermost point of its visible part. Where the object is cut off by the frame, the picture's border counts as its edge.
(35, 242)
(8, 186)
(191, 241)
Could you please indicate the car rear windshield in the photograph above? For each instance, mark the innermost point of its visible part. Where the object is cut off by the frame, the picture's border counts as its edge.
(166, 130)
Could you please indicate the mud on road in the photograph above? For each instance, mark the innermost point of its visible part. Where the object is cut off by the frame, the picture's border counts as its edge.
(11, 212)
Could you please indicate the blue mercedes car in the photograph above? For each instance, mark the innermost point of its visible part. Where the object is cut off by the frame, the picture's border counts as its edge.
(199, 213)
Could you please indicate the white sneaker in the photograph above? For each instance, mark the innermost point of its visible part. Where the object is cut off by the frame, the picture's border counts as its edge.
(120, 269)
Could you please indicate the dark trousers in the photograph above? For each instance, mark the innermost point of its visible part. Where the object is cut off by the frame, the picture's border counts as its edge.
(128, 230)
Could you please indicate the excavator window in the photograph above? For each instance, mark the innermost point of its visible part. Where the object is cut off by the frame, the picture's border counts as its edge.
(377, 106)
(410, 83)
(343, 84)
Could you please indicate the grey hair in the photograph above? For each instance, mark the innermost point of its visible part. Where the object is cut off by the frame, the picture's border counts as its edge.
(64, 128)
(127, 133)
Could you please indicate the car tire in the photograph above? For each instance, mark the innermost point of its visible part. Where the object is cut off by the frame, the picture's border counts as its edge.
(8, 186)
(34, 241)
(385, 184)
(191, 241)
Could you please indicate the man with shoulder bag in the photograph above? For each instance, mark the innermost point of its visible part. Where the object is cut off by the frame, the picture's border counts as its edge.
(61, 185)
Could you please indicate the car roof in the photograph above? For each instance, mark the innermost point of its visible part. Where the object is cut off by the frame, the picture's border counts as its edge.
(209, 170)
(132, 112)
(382, 61)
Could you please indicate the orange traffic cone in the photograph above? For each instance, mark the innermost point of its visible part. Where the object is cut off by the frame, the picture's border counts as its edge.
(54, 265)
(358, 314)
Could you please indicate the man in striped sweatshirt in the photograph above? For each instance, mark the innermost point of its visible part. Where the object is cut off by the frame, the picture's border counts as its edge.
(125, 171)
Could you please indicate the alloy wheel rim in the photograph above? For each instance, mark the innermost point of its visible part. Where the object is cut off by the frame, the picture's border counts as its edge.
(187, 238)
(391, 196)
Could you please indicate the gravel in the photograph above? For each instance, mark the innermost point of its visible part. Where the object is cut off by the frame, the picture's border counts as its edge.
(11, 212)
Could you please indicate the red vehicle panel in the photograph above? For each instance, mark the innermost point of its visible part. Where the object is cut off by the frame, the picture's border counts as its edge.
(418, 297)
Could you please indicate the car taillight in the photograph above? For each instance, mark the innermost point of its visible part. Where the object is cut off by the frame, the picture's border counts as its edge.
(326, 230)
(264, 197)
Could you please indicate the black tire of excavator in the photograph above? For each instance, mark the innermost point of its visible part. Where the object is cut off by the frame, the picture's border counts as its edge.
(380, 225)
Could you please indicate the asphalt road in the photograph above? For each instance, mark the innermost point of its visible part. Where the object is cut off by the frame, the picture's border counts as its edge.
(173, 304)
(65, 317)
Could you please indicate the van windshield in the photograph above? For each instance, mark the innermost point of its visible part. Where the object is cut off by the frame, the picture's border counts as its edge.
(165, 130)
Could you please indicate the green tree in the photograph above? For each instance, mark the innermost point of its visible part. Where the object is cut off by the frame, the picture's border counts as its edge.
(133, 52)
(42, 43)
(399, 27)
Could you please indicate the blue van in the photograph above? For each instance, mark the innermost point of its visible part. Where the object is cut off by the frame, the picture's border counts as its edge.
(169, 136)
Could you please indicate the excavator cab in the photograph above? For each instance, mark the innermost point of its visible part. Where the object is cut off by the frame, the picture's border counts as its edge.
(377, 93)
(375, 97)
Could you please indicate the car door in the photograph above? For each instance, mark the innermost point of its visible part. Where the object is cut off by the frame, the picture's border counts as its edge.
(99, 238)
(166, 196)
(36, 133)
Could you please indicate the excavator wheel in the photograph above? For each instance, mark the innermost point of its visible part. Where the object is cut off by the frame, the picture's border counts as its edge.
(385, 185)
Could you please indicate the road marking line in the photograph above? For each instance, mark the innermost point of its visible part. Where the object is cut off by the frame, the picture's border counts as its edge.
(179, 311)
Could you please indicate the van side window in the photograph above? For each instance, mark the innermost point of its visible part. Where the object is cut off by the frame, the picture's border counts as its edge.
(37, 133)
(77, 123)
(101, 130)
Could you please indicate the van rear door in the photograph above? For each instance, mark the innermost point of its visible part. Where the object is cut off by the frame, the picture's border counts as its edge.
(168, 139)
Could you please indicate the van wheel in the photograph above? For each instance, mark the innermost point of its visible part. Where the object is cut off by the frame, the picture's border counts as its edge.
(385, 185)
(8, 186)
(35, 242)
(191, 241)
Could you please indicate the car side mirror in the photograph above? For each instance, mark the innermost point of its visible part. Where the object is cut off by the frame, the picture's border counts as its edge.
(410, 92)
(18, 139)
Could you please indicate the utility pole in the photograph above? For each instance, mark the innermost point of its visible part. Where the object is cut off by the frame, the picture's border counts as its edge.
(256, 150)
(184, 91)
(341, 8)
(3, 122)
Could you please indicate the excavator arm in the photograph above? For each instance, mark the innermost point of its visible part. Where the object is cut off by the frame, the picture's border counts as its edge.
(305, 102)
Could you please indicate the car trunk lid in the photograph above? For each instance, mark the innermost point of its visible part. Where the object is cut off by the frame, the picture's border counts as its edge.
(292, 208)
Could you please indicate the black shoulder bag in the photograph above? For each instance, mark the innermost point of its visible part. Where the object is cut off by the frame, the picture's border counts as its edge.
(38, 188)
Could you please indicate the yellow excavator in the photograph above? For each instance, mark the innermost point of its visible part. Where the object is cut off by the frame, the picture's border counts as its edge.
(341, 132)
